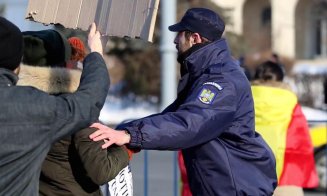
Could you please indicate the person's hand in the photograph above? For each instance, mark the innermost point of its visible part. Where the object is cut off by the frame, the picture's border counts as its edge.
(109, 135)
(94, 40)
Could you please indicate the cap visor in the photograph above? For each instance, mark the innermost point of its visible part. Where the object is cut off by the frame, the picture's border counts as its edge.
(177, 27)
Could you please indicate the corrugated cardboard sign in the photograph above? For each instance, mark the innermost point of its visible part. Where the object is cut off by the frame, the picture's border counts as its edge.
(131, 18)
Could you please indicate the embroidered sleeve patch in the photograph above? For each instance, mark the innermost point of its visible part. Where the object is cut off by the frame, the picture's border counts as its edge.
(207, 96)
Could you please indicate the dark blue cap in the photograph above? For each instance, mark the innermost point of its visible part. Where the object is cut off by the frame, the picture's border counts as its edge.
(203, 21)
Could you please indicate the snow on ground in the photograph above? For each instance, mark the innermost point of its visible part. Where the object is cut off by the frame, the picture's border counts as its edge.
(118, 109)
(313, 70)
(314, 115)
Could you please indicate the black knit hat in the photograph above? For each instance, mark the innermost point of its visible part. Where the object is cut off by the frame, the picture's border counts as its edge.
(203, 21)
(46, 47)
(11, 45)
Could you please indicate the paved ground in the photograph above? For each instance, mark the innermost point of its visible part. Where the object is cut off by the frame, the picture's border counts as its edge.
(161, 175)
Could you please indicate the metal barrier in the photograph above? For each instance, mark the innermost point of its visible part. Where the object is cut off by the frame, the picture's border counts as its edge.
(175, 173)
(154, 173)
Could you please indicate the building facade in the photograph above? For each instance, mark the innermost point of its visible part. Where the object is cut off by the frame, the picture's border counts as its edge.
(293, 28)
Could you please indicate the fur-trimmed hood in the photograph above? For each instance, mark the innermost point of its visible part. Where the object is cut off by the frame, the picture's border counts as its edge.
(49, 79)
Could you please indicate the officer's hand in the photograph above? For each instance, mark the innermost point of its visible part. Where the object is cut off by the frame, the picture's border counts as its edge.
(109, 135)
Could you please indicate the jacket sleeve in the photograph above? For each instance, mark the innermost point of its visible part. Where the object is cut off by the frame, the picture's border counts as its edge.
(78, 110)
(194, 122)
(101, 165)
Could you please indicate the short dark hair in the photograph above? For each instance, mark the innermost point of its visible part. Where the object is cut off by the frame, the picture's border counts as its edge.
(269, 71)
(189, 33)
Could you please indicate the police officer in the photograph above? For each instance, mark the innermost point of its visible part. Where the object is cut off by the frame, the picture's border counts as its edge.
(212, 119)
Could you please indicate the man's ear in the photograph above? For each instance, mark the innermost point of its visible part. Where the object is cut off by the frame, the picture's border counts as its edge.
(196, 38)
(17, 70)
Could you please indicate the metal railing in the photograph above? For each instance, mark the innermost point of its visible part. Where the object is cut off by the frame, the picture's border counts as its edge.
(154, 173)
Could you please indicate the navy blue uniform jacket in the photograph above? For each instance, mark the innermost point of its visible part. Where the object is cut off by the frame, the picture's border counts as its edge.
(212, 120)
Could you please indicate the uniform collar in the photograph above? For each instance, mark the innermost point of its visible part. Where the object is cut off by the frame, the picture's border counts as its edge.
(7, 77)
(212, 53)
(182, 57)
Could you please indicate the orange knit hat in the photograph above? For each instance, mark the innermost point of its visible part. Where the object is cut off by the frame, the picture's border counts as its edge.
(78, 49)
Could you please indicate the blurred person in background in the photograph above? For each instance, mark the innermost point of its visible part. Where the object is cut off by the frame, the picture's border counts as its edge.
(212, 119)
(281, 122)
(75, 165)
(32, 120)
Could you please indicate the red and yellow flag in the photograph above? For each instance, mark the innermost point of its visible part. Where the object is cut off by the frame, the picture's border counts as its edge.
(280, 121)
